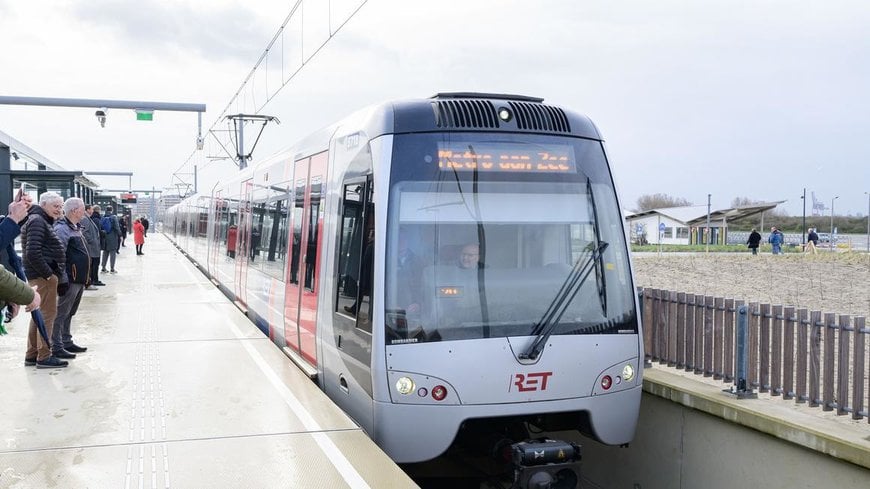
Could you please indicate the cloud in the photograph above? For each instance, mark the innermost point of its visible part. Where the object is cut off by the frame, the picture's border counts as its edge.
(215, 32)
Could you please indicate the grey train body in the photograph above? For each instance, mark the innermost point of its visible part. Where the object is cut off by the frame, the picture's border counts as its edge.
(543, 328)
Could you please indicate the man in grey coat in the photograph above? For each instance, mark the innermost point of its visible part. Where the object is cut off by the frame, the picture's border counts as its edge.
(73, 277)
(91, 233)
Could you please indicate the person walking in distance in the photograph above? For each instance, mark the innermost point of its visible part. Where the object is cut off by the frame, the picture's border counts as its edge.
(91, 234)
(753, 241)
(109, 224)
(145, 224)
(776, 239)
(138, 236)
(44, 262)
(812, 241)
(73, 278)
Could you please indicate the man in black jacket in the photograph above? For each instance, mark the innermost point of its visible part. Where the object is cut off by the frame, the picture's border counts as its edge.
(44, 261)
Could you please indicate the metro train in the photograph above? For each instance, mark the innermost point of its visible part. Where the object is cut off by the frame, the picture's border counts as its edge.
(438, 266)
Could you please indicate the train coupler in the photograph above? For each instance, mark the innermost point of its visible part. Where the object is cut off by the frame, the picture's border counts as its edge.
(544, 463)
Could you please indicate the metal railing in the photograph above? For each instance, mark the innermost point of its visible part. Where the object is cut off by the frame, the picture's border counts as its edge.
(809, 356)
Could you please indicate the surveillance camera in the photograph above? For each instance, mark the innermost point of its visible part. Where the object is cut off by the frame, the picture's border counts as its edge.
(101, 117)
(200, 143)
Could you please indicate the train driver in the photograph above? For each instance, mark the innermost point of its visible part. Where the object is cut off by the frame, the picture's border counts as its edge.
(469, 257)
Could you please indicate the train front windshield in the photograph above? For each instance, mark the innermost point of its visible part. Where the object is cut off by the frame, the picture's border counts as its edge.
(494, 235)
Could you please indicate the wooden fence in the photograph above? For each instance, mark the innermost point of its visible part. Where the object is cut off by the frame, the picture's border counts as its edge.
(808, 356)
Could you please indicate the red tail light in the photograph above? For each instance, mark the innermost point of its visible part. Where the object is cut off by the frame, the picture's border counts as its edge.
(606, 382)
(439, 392)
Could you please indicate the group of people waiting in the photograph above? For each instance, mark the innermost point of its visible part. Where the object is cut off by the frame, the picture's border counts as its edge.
(63, 244)
(777, 239)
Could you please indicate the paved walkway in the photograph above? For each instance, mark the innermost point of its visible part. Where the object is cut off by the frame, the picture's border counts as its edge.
(177, 389)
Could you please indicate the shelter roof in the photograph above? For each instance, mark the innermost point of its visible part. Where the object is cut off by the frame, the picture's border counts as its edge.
(693, 215)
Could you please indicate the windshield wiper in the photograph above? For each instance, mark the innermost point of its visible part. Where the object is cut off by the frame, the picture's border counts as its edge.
(572, 284)
(599, 267)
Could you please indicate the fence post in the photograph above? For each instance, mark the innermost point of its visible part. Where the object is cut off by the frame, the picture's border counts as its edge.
(857, 363)
(741, 387)
(647, 327)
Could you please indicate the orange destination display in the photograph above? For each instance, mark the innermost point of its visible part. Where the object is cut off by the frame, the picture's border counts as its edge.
(506, 157)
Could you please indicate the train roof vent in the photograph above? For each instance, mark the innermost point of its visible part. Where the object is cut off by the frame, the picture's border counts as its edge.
(465, 113)
(540, 117)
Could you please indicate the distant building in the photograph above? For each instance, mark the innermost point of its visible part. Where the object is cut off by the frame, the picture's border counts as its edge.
(688, 224)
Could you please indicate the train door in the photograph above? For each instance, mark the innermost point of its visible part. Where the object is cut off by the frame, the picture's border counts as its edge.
(216, 242)
(291, 294)
(303, 276)
(346, 363)
(245, 221)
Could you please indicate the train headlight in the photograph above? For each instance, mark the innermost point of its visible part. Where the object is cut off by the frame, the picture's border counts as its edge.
(504, 114)
(627, 372)
(405, 385)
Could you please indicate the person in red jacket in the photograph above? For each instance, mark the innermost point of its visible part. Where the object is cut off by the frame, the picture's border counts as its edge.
(138, 236)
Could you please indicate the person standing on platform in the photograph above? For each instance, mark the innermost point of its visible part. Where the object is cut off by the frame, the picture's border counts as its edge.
(753, 241)
(16, 291)
(122, 224)
(44, 262)
(145, 224)
(109, 224)
(73, 277)
(9, 230)
(91, 233)
(138, 236)
(97, 219)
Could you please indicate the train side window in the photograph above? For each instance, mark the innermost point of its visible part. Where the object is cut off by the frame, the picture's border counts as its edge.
(356, 252)
(268, 247)
(296, 248)
(313, 232)
(349, 248)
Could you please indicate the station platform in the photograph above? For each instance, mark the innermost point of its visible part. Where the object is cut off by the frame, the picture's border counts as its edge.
(177, 389)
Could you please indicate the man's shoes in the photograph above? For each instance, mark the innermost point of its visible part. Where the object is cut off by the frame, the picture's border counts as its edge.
(99, 284)
(74, 348)
(104, 270)
(112, 271)
(51, 362)
(63, 354)
(29, 362)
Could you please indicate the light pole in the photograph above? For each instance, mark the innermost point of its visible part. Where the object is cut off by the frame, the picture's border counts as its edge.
(707, 247)
(804, 221)
(831, 237)
(868, 223)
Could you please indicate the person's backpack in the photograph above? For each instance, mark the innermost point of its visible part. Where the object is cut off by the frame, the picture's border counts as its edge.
(106, 224)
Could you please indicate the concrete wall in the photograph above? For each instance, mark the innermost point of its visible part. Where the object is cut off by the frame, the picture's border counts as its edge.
(682, 447)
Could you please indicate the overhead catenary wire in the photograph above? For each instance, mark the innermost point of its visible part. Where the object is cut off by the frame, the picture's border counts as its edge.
(262, 61)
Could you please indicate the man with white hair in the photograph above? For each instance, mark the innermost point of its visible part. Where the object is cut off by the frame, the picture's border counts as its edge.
(73, 279)
(44, 262)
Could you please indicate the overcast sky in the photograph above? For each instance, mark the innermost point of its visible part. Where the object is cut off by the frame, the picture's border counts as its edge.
(733, 98)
